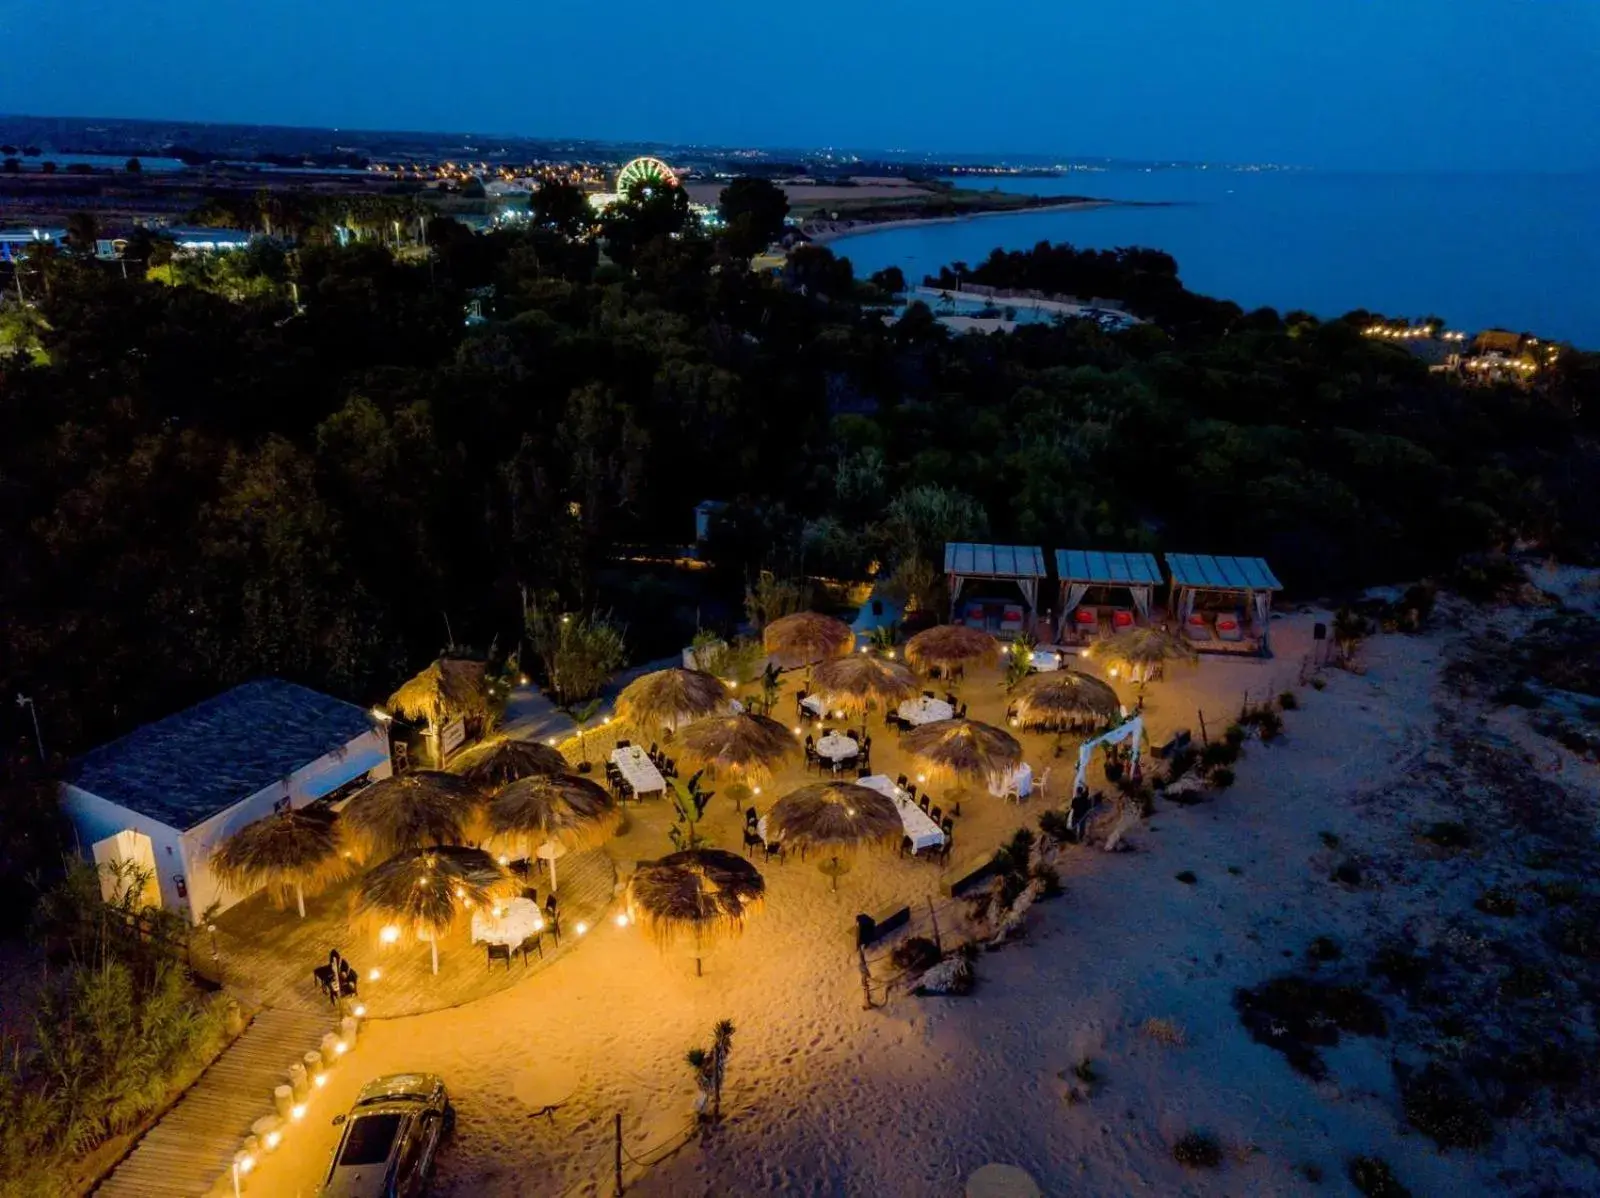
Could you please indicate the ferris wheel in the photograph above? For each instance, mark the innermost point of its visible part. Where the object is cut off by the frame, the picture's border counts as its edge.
(651, 172)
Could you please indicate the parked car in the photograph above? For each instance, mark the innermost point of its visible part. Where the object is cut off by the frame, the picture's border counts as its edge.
(391, 1136)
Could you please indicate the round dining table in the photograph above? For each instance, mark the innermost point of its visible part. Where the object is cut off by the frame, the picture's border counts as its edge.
(837, 748)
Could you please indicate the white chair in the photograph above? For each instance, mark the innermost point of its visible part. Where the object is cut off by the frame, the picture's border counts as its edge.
(1042, 781)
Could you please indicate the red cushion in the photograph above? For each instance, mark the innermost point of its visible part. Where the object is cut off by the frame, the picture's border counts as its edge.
(1198, 620)
(1122, 619)
(1227, 624)
(1086, 615)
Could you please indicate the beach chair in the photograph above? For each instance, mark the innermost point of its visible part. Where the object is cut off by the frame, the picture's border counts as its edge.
(1197, 627)
(1229, 626)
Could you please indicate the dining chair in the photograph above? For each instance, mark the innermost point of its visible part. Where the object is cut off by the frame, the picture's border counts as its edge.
(935, 814)
(499, 952)
(533, 943)
(1042, 781)
(922, 802)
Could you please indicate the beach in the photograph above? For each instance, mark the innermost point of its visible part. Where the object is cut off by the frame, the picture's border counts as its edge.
(824, 1097)
(823, 232)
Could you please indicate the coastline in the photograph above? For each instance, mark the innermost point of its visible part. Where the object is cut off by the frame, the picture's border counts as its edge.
(840, 229)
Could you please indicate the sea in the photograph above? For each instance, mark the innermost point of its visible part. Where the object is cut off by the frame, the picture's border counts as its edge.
(1515, 251)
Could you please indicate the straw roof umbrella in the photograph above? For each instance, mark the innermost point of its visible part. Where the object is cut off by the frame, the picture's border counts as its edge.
(837, 816)
(850, 683)
(668, 698)
(287, 852)
(494, 763)
(410, 811)
(1061, 698)
(964, 749)
(450, 687)
(708, 893)
(552, 809)
(1137, 650)
(427, 890)
(746, 744)
(951, 645)
(806, 638)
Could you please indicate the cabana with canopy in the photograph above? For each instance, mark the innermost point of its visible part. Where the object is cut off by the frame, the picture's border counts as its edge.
(1238, 590)
(967, 566)
(1083, 570)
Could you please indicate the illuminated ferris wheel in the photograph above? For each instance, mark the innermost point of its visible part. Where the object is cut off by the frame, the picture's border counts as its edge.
(650, 172)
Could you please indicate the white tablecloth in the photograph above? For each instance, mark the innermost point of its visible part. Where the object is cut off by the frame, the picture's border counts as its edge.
(919, 825)
(1021, 782)
(813, 704)
(519, 918)
(925, 710)
(638, 769)
(1045, 660)
(836, 748)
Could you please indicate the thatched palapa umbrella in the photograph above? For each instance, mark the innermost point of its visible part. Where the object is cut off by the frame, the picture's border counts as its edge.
(502, 760)
(746, 744)
(549, 810)
(428, 890)
(850, 683)
(1137, 651)
(287, 852)
(951, 645)
(410, 811)
(448, 689)
(806, 638)
(1062, 698)
(701, 892)
(671, 698)
(964, 749)
(837, 816)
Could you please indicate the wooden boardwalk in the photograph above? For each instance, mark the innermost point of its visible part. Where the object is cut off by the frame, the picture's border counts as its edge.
(192, 1146)
(267, 955)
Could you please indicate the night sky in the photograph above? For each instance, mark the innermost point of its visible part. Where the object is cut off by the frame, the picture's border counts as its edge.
(1391, 84)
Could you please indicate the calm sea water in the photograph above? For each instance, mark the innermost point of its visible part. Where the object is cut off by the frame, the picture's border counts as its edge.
(1516, 251)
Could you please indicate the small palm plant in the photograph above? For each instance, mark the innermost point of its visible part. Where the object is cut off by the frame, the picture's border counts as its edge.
(711, 1067)
(580, 714)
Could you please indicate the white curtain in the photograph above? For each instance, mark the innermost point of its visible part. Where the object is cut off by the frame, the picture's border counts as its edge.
(1072, 594)
(1141, 602)
(956, 583)
(1030, 592)
(1185, 604)
(1133, 728)
(1262, 602)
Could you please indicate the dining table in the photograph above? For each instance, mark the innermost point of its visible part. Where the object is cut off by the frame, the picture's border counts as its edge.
(924, 710)
(836, 747)
(510, 922)
(641, 773)
(919, 825)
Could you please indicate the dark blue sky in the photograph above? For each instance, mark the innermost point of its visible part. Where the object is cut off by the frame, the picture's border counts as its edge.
(1338, 83)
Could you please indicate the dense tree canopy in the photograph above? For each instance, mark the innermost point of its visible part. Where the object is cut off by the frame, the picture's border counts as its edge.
(753, 211)
(206, 481)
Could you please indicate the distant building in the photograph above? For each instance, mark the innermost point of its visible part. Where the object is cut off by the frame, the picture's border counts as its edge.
(14, 241)
(167, 794)
(201, 240)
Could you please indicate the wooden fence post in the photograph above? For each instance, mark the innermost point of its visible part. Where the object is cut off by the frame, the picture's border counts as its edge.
(1205, 739)
(866, 980)
(933, 918)
(617, 1154)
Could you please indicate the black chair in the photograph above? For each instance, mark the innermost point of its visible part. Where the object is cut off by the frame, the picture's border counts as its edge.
(866, 741)
(533, 943)
(951, 699)
(323, 976)
(774, 848)
(948, 827)
(955, 808)
(944, 849)
(553, 926)
(751, 817)
(927, 694)
(905, 846)
(624, 744)
(863, 769)
(935, 814)
(531, 893)
(499, 952)
(901, 781)
(962, 714)
(911, 792)
(923, 802)
(752, 840)
(655, 750)
(812, 757)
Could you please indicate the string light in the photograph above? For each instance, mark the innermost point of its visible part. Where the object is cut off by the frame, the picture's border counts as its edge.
(582, 928)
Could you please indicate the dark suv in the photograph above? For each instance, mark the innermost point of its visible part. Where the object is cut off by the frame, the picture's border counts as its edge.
(390, 1138)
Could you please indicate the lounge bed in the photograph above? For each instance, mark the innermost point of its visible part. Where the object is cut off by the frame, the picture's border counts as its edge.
(1121, 619)
(1197, 627)
(1229, 627)
(1085, 621)
(973, 616)
(1011, 619)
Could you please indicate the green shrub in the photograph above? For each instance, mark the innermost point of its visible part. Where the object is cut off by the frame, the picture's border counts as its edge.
(1438, 1106)
(1221, 778)
(1197, 1150)
(1318, 684)
(1288, 701)
(1234, 735)
(1048, 877)
(1054, 827)
(1496, 901)
(1269, 724)
(1181, 762)
(1448, 834)
(1372, 1177)
(1324, 948)
(915, 955)
(1219, 752)
(1187, 877)
(1297, 1015)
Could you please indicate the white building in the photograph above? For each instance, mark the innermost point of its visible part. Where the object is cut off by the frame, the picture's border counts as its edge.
(167, 794)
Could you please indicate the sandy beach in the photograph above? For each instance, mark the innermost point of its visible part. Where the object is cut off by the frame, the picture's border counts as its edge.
(823, 232)
(909, 1098)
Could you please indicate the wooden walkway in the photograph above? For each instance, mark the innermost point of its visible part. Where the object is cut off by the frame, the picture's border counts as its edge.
(267, 955)
(191, 1148)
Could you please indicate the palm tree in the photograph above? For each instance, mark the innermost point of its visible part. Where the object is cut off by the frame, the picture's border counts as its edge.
(287, 852)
